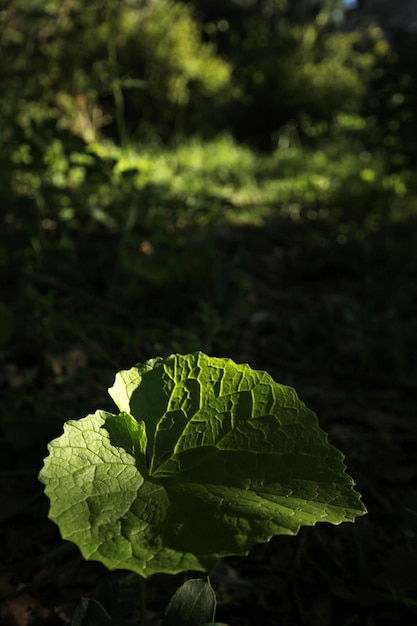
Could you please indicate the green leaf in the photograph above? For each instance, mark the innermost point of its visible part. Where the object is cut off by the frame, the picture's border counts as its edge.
(89, 612)
(205, 459)
(193, 604)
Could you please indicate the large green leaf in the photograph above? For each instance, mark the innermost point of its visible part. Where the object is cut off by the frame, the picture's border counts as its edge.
(205, 459)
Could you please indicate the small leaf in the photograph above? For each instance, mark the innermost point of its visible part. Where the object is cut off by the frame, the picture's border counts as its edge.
(193, 604)
(89, 612)
(205, 459)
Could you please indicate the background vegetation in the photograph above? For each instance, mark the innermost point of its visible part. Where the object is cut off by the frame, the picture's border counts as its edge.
(237, 178)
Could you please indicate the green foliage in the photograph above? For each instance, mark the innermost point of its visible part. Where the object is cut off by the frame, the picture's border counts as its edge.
(99, 239)
(89, 612)
(85, 216)
(152, 69)
(193, 604)
(289, 69)
(300, 259)
(144, 59)
(177, 65)
(205, 459)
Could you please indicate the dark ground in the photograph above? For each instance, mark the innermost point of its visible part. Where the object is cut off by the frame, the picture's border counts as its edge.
(337, 322)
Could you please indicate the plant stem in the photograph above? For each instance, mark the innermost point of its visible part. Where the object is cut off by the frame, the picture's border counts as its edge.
(118, 98)
(142, 594)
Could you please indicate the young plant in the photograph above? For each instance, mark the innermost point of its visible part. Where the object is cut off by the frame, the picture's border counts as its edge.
(193, 604)
(205, 458)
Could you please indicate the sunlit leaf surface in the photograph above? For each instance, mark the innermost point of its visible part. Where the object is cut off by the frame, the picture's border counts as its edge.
(206, 458)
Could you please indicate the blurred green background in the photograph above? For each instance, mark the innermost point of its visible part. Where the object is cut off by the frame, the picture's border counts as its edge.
(237, 178)
(156, 155)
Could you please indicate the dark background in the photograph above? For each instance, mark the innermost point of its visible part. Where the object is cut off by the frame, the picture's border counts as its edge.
(236, 177)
